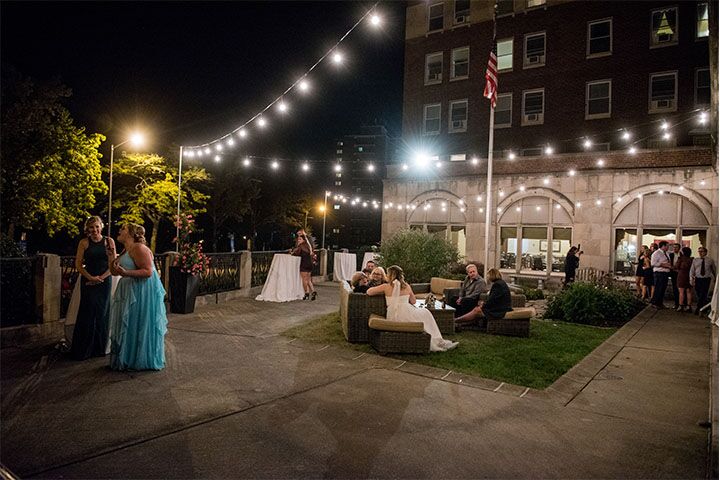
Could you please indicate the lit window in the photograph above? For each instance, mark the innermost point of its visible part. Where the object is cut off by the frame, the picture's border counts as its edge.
(663, 27)
(435, 17)
(534, 50)
(535, 3)
(360, 149)
(533, 107)
(599, 41)
(598, 97)
(338, 183)
(458, 157)
(431, 119)
(503, 111)
(433, 68)
(505, 7)
(505, 54)
(702, 86)
(458, 116)
(701, 29)
(462, 11)
(663, 92)
(460, 63)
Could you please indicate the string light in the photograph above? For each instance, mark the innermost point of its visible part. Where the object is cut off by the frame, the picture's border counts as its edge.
(246, 162)
(511, 156)
(371, 167)
(275, 165)
(230, 142)
(261, 122)
(282, 107)
(375, 20)
(600, 162)
(578, 204)
(305, 167)
(665, 125)
(338, 167)
(242, 133)
(337, 58)
(219, 147)
(217, 158)
(632, 150)
(571, 172)
(666, 136)
(549, 150)
(304, 86)
(522, 188)
(587, 143)
(626, 135)
(474, 161)
(546, 181)
(404, 166)
(598, 202)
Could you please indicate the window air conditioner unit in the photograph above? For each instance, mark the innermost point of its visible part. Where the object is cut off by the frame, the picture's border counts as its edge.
(662, 104)
(663, 37)
(462, 19)
(458, 124)
(533, 117)
(535, 59)
(434, 76)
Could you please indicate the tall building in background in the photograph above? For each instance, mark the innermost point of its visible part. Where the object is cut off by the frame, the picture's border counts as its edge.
(601, 131)
(361, 158)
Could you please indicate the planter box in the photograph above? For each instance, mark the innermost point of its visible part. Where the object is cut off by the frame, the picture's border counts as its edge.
(183, 291)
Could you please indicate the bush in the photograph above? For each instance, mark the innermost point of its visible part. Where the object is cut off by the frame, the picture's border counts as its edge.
(593, 305)
(533, 293)
(421, 255)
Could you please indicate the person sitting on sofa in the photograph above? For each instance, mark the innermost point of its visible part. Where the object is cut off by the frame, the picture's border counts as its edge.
(377, 277)
(497, 305)
(470, 291)
(359, 282)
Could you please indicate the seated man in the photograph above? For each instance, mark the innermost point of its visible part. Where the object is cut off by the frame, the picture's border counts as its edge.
(359, 282)
(497, 305)
(369, 267)
(470, 291)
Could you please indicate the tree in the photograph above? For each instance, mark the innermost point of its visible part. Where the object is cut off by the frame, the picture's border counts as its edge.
(50, 168)
(148, 190)
(231, 199)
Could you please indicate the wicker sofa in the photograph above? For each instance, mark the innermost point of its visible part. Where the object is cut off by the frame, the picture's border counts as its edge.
(355, 311)
(437, 287)
(518, 299)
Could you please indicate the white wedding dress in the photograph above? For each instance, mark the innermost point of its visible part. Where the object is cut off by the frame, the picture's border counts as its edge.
(400, 309)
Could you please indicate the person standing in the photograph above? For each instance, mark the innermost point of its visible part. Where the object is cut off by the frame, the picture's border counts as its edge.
(675, 255)
(90, 335)
(660, 262)
(304, 250)
(702, 274)
(648, 289)
(470, 291)
(137, 313)
(682, 267)
(639, 275)
(572, 262)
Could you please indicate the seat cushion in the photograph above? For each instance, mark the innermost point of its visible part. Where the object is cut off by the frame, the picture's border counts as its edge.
(520, 313)
(377, 322)
(438, 285)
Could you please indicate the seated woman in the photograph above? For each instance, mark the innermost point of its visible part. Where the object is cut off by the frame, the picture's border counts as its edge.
(498, 302)
(401, 308)
(359, 282)
(377, 277)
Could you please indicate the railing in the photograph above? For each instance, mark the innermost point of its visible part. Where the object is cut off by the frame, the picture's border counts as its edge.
(67, 283)
(261, 266)
(17, 283)
(330, 263)
(160, 261)
(223, 274)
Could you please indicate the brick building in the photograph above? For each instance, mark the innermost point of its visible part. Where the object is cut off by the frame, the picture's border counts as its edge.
(601, 130)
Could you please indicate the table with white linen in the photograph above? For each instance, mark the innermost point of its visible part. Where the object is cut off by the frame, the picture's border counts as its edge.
(369, 257)
(283, 283)
(344, 266)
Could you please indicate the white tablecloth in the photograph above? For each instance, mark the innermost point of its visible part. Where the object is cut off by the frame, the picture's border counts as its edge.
(369, 256)
(344, 266)
(283, 282)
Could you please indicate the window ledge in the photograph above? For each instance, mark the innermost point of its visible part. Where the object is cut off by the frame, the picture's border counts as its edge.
(664, 110)
(598, 55)
(427, 84)
(458, 131)
(457, 79)
(534, 65)
(598, 116)
(663, 45)
(504, 125)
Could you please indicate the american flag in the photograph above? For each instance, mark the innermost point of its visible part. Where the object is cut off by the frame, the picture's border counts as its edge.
(491, 81)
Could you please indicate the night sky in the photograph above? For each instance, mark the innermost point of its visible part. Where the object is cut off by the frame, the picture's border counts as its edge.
(191, 71)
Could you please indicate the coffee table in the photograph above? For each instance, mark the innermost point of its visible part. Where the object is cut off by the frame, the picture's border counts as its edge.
(444, 316)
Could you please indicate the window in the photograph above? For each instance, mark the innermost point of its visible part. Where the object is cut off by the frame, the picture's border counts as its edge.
(535, 3)
(431, 119)
(458, 157)
(503, 111)
(435, 17)
(663, 92)
(462, 11)
(533, 255)
(701, 25)
(505, 7)
(531, 152)
(460, 63)
(360, 149)
(338, 175)
(433, 68)
(505, 54)
(533, 107)
(702, 86)
(599, 41)
(338, 183)
(458, 116)
(508, 247)
(626, 254)
(562, 237)
(337, 207)
(663, 27)
(598, 97)
(534, 50)
(339, 151)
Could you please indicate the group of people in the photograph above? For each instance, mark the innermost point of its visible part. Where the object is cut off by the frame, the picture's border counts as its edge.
(659, 265)
(469, 308)
(128, 321)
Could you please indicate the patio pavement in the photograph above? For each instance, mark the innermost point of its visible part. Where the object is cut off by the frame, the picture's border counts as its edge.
(239, 400)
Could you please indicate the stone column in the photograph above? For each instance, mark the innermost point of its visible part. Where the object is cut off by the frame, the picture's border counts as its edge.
(245, 272)
(323, 262)
(48, 284)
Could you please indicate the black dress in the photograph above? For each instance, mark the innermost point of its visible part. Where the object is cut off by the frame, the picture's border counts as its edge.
(90, 335)
(499, 301)
(306, 259)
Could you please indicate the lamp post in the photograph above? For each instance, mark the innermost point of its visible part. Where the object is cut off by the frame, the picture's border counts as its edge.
(137, 140)
(324, 210)
(177, 222)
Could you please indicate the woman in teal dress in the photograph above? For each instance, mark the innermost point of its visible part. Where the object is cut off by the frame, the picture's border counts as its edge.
(90, 335)
(137, 313)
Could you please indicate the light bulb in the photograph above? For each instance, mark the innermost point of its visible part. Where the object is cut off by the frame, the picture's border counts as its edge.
(338, 167)
(522, 188)
(511, 156)
(246, 162)
(571, 172)
(549, 150)
(375, 20)
(337, 58)
(217, 158)
(546, 181)
(600, 162)
(242, 133)
(282, 107)
(587, 143)
(305, 167)
(474, 161)
(304, 86)
(404, 166)
(230, 142)
(371, 168)
(275, 165)
(261, 123)
(626, 136)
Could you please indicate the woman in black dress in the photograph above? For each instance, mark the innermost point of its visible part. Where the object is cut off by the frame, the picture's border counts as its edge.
(639, 271)
(304, 250)
(90, 336)
(572, 262)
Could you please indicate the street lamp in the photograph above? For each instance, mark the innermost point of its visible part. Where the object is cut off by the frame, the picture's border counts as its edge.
(136, 139)
(323, 209)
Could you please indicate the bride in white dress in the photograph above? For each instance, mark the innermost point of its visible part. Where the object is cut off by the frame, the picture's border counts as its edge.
(401, 308)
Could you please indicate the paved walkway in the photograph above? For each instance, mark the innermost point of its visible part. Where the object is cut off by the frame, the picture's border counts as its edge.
(239, 400)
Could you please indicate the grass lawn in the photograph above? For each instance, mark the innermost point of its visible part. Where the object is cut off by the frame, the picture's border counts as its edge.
(552, 349)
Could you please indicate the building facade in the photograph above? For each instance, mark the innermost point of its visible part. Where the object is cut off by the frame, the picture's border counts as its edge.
(601, 131)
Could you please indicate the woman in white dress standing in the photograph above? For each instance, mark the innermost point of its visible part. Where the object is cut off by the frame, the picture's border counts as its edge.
(401, 308)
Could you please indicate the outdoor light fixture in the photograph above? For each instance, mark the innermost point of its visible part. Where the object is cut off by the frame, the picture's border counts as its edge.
(338, 167)
(626, 135)
(242, 134)
(511, 156)
(282, 107)
(305, 167)
(571, 172)
(337, 58)
(587, 143)
(600, 162)
(549, 150)
(304, 86)
(275, 165)
(246, 162)
(261, 123)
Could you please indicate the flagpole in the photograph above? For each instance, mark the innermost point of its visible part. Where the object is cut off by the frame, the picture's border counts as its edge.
(488, 192)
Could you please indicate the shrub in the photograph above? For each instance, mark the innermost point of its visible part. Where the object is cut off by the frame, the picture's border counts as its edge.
(533, 293)
(593, 305)
(420, 254)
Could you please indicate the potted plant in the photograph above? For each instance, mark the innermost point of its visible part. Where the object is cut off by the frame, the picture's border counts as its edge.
(186, 269)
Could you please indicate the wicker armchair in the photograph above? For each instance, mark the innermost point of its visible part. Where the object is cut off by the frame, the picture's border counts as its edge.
(355, 311)
(398, 337)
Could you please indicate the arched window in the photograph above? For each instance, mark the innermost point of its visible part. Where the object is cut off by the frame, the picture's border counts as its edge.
(441, 215)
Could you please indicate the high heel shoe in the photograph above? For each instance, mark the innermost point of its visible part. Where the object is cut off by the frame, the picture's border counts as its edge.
(307, 295)
(314, 296)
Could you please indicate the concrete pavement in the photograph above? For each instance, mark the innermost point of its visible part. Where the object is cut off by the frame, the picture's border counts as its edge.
(239, 400)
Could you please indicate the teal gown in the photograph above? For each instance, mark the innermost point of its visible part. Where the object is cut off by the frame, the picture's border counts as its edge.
(138, 323)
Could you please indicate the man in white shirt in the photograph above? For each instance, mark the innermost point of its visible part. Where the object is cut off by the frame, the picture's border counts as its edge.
(702, 273)
(660, 262)
(674, 257)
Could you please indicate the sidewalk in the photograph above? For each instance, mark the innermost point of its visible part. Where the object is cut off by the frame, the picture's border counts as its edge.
(239, 400)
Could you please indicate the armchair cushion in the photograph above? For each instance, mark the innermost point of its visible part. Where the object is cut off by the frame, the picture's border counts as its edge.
(381, 323)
